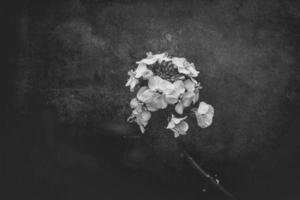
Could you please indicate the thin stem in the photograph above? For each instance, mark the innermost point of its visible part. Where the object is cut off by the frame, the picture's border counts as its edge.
(201, 171)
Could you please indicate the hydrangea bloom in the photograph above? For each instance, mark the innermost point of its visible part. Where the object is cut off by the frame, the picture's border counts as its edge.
(166, 82)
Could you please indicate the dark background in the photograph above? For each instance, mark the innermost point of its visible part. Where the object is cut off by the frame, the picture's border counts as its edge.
(65, 104)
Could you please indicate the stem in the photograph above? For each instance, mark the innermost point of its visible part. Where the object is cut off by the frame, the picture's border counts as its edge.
(201, 171)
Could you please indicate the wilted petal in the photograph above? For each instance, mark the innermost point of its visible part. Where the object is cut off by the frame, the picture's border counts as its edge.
(204, 115)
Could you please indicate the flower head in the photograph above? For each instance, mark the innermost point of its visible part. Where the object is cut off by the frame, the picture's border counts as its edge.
(178, 126)
(204, 115)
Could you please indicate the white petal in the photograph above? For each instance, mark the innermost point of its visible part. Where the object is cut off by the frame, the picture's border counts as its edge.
(183, 126)
(188, 98)
(142, 128)
(205, 120)
(203, 107)
(171, 124)
(171, 99)
(183, 70)
(145, 116)
(161, 102)
(154, 82)
(189, 85)
(133, 83)
(140, 70)
(178, 61)
(134, 103)
(152, 106)
(196, 97)
(166, 87)
(179, 108)
(147, 74)
(193, 71)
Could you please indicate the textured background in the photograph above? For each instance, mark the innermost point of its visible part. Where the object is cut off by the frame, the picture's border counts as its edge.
(71, 67)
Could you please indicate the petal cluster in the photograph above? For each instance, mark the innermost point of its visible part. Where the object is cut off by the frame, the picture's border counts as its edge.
(163, 82)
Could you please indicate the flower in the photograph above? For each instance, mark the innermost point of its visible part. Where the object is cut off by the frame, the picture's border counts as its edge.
(153, 100)
(151, 59)
(191, 95)
(143, 71)
(204, 115)
(132, 81)
(184, 67)
(172, 91)
(140, 115)
(178, 126)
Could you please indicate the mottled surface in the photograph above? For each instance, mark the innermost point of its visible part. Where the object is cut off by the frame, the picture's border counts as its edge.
(75, 56)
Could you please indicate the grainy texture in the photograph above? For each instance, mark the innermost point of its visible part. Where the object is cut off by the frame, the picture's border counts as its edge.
(75, 56)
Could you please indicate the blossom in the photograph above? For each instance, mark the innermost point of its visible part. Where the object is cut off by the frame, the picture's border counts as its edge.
(172, 91)
(132, 81)
(178, 126)
(153, 100)
(151, 59)
(140, 115)
(204, 115)
(191, 95)
(184, 67)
